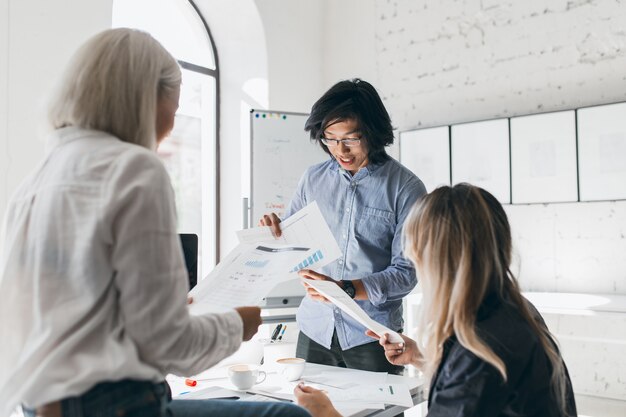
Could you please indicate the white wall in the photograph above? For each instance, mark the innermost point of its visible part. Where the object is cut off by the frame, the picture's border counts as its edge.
(295, 34)
(37, 38)
(571, 247)
(239, 38)
(4, 97)
(453, 61)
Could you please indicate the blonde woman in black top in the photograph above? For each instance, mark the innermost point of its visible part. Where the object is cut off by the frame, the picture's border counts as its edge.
(483, 346)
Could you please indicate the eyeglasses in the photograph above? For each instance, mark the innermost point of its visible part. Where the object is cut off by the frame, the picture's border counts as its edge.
(349, 142)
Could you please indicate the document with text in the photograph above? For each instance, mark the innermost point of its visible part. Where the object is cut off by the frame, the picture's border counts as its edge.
(260, 261)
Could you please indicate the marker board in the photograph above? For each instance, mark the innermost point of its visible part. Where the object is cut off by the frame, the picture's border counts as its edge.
(280, 152)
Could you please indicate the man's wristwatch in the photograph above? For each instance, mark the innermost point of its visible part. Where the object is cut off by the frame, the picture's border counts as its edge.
(348, 287)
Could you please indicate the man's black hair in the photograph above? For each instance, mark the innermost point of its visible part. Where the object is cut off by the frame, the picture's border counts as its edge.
(353, 100)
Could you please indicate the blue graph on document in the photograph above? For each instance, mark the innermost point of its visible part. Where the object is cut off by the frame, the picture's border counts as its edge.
(257, 264)
(316, 257)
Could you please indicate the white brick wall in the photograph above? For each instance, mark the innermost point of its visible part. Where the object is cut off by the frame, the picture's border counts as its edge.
(570, 247)
(593, 347)
(450, 61)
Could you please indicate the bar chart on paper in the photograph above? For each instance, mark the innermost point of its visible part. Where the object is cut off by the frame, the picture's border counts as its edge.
(308, 262)
(309, 239)
(256, 264)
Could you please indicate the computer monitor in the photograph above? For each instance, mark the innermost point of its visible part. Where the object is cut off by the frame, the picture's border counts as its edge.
(189, 242)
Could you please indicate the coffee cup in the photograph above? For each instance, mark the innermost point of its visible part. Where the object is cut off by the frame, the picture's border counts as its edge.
(245, 376)
(291, 368)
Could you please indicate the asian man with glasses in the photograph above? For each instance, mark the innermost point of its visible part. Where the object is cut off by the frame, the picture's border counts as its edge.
(364, 195)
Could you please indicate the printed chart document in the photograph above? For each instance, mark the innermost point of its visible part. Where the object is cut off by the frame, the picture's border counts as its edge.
(342, 300)
(305, 226)
(261, 261)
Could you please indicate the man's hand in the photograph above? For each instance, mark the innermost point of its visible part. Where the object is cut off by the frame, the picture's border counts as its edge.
(273, 221)
(251, 317)
(315, 401)
(400, 353)
(312, 292)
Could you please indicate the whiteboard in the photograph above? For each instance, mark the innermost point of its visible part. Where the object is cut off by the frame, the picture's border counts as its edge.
(480, 156)
(602, 152)
(426, 152)
(280, 152)
(543, 158)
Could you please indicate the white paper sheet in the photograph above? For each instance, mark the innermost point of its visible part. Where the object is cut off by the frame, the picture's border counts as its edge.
(306, 227)
(260, 261)
(209, 393)
(256, 235)
(393, 394)
(247, 274)
(344, 378)
(338, 297)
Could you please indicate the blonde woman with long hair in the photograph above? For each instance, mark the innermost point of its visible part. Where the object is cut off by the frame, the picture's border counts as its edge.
(484, 348)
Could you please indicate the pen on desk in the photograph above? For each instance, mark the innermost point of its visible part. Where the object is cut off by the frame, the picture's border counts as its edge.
(276, 331)
(282, 333)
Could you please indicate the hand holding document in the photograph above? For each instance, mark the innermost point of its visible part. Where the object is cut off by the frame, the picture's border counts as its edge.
(306, 227)
(260, 261)
(337, 296)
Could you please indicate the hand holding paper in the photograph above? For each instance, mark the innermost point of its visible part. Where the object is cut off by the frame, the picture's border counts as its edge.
(260, 261)
(337, 296)
(310, 291)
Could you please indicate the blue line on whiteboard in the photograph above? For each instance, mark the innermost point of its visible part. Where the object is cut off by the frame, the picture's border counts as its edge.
(257, 264)
(316, 257)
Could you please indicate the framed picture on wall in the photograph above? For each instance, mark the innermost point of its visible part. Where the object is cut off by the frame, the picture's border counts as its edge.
(480, 156)
(543, 158)
(602, 152)
(426, 152)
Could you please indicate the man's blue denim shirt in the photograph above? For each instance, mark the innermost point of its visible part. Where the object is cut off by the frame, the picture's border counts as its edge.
(365, 212)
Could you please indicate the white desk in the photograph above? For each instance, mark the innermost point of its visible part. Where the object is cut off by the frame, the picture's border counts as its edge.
(220, 379)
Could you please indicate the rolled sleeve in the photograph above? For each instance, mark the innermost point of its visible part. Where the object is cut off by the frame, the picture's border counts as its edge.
(394, 283)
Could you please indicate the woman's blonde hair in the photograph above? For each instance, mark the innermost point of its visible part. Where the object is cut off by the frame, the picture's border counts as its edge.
(113, 83)
(459, 239)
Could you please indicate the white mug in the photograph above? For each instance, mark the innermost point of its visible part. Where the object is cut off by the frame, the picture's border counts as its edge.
(291, 368)
(245, 376)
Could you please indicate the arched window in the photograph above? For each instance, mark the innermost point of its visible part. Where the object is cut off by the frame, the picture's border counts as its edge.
(190, 153)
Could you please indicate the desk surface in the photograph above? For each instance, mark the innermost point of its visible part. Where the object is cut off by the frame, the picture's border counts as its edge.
(218, 378)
